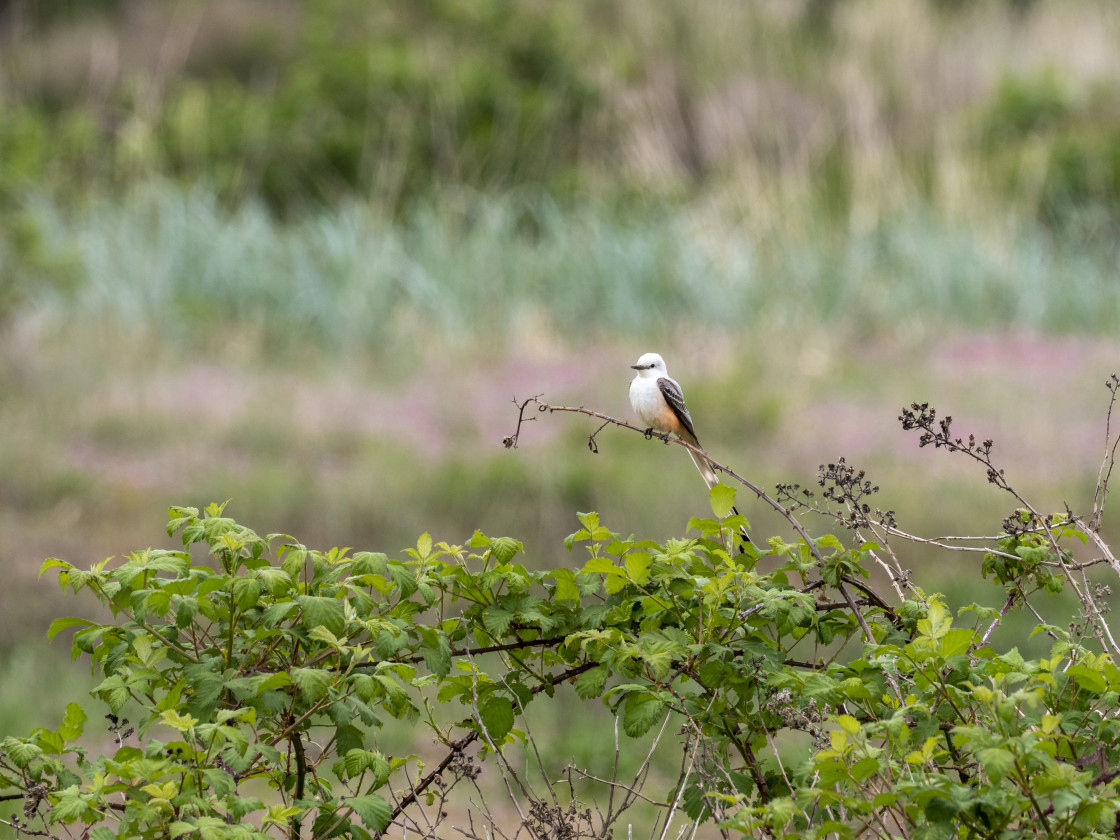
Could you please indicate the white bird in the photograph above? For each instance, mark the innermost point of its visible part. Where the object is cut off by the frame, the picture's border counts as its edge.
(659, 403)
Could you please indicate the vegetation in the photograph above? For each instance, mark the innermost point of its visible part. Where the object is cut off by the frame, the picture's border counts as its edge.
(258, 675)
(301, 252)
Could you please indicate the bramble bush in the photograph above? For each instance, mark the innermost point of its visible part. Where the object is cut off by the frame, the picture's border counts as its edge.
(258, 675)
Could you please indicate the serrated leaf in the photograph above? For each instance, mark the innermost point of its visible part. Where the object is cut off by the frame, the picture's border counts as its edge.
(937, 622)
(60, 624)
(505, 548)
(478, 540)
(70, 805)
(73, 722)
(322, 611)
(590, 683)
(637, 567)
(497, 717)
(694, 803)
(640, 712)
(600, 566)
(865, 768)
(172, 718)
(54, 563)
(722, 499)
(1088, 678)
(322, 634)
(247, 591)
(496, 620)
(176, 829)
(438, 658)
(219, 781)
(369, 563)
(373, 810)
(566, 588)
(312, 682)
(956, 641)
(355, 761)
(997, 761)
(21, 753)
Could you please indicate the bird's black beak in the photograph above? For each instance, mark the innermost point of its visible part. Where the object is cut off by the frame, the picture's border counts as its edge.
(637, 367)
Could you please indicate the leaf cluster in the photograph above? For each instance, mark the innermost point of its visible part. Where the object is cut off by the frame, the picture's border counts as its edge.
(248, 681)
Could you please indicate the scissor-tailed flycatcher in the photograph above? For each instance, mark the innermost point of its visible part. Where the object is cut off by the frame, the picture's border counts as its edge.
(659, 404)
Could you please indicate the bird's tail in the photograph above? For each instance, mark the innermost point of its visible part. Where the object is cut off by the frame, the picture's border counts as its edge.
(711, 479)
(705, 467)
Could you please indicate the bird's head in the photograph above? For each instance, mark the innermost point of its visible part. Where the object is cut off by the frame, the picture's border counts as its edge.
(650, 364)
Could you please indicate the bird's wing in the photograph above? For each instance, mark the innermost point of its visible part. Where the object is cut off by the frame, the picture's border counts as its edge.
(671, 391)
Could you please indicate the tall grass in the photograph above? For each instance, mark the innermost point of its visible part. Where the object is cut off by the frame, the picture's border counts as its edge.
(471, 268)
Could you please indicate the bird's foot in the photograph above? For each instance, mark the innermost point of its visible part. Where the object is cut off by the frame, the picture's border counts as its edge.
(649, 432)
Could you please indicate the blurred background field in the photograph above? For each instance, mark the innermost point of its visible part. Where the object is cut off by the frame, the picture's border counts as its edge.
(303, 254)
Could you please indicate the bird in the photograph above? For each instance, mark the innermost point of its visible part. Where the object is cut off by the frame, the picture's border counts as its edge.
(658, 401)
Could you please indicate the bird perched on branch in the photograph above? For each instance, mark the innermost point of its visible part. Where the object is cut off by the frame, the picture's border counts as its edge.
(658, 401)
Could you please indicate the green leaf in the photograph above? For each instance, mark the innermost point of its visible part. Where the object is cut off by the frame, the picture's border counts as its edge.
(497, 716)
(21, 752)
(694, 803)
(312, 682)
(600, 566)
(73, 722)
(637, 566)
(505, 548)
(183, 723)
(60, 624)
(54, 563)
(373, 810)
(865, 768)
(722, 499)
(956, 641)
(1088, 678)
(219, 781)
(322, 611)
(937, 622)
(590, 683)
(246, 592)
(566, 588)
(997, 761)
(438, 657)
(496, 620)
(70, 805)
(355, 761)
(640, 712)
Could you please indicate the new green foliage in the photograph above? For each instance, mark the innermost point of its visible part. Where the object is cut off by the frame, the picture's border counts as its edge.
(258, 712)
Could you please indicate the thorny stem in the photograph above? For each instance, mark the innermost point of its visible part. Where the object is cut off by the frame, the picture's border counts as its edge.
(1109, 460)
(922, 417)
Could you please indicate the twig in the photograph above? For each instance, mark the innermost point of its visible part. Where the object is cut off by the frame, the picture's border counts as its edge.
(1109, 460)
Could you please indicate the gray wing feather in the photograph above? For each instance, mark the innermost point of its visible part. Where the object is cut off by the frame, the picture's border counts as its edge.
(673, 396)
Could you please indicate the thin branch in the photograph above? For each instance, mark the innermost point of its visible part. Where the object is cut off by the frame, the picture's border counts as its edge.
(511, 442)
(1109, 460)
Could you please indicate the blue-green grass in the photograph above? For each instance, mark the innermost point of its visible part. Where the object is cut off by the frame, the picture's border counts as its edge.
(493, 271)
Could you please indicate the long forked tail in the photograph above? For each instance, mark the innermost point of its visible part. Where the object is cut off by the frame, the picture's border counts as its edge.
(711, 479)
(705, 467)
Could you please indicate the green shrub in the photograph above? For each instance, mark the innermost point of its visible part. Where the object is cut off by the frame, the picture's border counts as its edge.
(1058, 146)
(259, 676)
